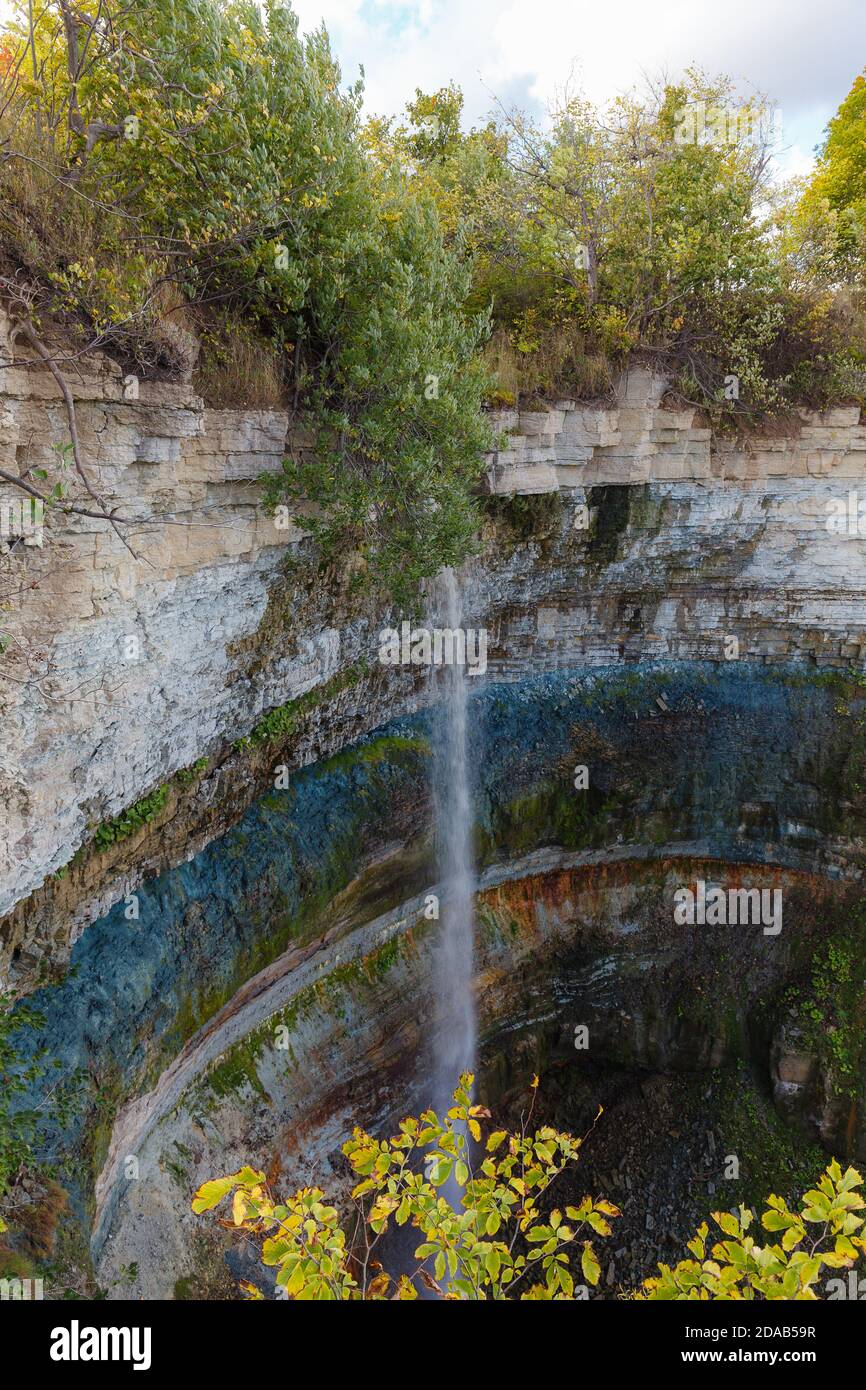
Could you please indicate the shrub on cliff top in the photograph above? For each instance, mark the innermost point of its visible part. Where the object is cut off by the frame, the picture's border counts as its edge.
(651, 225)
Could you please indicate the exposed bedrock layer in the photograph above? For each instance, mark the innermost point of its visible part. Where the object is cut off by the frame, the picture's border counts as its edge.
(129, 692)
(276, 989)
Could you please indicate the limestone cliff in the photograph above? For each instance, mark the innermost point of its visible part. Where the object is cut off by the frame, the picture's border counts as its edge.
(668, 608)
(121, 672)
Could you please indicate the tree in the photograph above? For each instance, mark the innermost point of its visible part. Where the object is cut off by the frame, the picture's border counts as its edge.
(824, 1233)
(488, 1238)
(485, 1230)
(642, 219)
(647, 226)
(839, 182)
(204, 155)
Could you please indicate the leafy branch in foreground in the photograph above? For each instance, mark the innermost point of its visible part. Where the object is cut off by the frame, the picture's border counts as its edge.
(491, 1240)
(824, 1232)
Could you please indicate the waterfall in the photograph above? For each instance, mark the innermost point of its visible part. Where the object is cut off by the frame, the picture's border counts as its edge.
(455, 1030)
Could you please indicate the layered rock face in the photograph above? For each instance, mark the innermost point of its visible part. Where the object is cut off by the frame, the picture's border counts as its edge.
(251, 951)
(638, 440)
(278, 989)
(120, 672)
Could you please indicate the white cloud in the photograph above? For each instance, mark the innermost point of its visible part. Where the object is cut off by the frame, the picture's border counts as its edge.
(803, 56)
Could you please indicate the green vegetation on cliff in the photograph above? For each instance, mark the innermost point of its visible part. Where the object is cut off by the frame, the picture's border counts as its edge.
(18, 1072)
(189, 184)
(651, 226)
(192, 189)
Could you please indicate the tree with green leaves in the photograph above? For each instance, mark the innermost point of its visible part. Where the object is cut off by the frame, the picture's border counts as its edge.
(202, 158)
(493, 1240)
(648, 226)
(480, 1204)
(838, 186)
(825, 1232)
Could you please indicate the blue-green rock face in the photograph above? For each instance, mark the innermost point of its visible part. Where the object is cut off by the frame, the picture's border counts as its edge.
(728, 762)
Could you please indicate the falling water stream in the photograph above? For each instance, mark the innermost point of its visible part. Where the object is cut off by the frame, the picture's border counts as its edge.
(455, 1030)
(453, 1003)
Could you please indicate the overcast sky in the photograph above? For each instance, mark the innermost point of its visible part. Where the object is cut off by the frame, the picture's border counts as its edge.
(803, 53)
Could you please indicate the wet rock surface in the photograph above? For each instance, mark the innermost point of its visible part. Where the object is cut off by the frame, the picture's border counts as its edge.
(307, 914)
